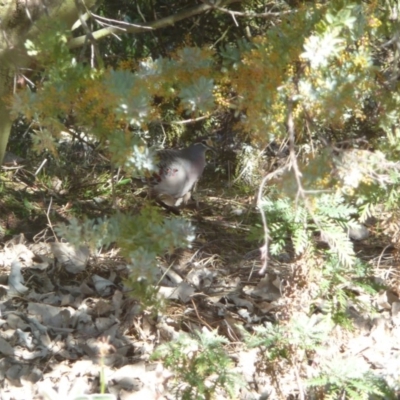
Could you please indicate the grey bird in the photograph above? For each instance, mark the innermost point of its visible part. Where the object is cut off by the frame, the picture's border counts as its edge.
(178, 172)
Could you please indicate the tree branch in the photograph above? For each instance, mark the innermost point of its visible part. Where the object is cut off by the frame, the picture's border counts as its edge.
(251, 14)
(161, 23)
(82, 10)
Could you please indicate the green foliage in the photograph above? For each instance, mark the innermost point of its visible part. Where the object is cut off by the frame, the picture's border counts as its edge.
(132, 97)
(231, 54)
(373, 197)
(200, 364)
(337, 377)
(284, 222)
(198, 96)
(130, 152)
(330, 216)
(301, 332)
(338, 239)
(337, 78)
(347, 377)
(331, 66)
(51, 50)
(337, 285)
(331, 41)
(248, 166)
(147, 294)
(322, 54)
(141, 237)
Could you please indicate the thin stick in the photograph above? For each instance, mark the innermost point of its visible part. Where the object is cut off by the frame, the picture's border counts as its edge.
(48, 218)
(200, 318)
(264, 249)
(41, 166)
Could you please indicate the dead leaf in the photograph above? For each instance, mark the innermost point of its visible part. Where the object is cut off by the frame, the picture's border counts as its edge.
(5, 348)
(16, 280)
(102, 286)
(43, 312)
(73, 259)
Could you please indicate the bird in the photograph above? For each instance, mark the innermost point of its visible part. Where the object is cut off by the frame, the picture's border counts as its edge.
(178, 171)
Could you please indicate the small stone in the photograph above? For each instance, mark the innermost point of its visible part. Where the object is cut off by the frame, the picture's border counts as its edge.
(358, 232)
(396, 309)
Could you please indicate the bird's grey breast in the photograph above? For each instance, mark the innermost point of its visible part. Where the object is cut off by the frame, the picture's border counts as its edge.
(179, 170)
(173, 173)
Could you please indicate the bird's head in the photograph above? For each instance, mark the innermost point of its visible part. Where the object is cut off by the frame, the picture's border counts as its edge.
(204, 145)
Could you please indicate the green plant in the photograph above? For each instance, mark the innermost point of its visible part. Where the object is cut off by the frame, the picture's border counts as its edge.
(346, 377)
(338, 285)
(140, 237)
(281, 340)
(287, 347)
(329, 215)
(200, 366)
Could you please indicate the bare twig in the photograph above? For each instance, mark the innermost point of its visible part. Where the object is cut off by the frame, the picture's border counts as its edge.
(157, 24)
(140, 13)
(124, 25)
(49, 220)
(293, 158)
(300, 190)
(221, 38)
(246, 167)
(201, 319)
(82, 10)
(164, 274)
(165, 135)
(41, 166)
(113, 179)
(234, 19)
(381, 255)
(264, 249)
(299, 383)
(187, 121)
(249, 14)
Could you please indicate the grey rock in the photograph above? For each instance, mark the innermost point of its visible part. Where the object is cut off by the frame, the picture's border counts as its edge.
(358, 232)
